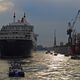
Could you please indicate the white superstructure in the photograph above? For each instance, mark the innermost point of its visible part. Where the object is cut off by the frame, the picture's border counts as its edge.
(18, 30)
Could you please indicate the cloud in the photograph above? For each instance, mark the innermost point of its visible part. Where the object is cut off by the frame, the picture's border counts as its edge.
(5, 5)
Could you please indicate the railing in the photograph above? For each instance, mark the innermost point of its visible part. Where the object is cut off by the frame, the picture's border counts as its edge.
(22, 37)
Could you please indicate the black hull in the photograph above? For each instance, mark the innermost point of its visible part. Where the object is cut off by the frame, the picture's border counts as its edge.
(15, 48)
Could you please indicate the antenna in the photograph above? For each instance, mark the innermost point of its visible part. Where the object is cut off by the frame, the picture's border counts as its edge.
(24, 15)
(24, 18)
(14, 17)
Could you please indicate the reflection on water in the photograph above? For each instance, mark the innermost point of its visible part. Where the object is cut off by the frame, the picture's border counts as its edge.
(45, 67)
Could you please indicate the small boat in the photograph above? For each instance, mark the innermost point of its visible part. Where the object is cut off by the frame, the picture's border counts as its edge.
(75, 57)
(48, 51)
(16, 71)
(51, 53)
(55, 54)
(67, 55)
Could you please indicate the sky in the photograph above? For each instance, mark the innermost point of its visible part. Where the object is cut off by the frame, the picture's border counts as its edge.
(46, 16)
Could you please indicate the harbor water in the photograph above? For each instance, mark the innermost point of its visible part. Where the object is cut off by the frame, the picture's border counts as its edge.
(42, 66)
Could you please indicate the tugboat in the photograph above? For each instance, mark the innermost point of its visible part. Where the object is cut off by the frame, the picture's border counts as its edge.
(17, 39)
(16, 70)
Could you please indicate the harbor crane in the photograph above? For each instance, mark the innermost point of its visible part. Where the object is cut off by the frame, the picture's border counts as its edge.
(71, 30)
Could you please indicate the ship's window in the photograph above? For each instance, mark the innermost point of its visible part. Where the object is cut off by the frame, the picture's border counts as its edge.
(28, 30)
(28, 36)
(25, 35)
(20, 37)
(1, 33)
(12, 28)
(31, 30)
(23, 27)
(14, 32)
(4, 27)
(16, 37)
(28, 33)
(18, 27)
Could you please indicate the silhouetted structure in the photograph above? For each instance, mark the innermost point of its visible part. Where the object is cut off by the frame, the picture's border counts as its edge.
(54, 38)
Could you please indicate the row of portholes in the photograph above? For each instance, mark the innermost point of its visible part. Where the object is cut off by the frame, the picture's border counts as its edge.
(28, 37)
(16, 28)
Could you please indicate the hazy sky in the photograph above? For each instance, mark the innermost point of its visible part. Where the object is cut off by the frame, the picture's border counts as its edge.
(45, 15)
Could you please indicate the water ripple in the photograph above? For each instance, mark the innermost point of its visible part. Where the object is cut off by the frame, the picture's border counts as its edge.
(45, 67)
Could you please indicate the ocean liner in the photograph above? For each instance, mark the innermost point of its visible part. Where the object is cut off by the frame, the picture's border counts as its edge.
(17, 39)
